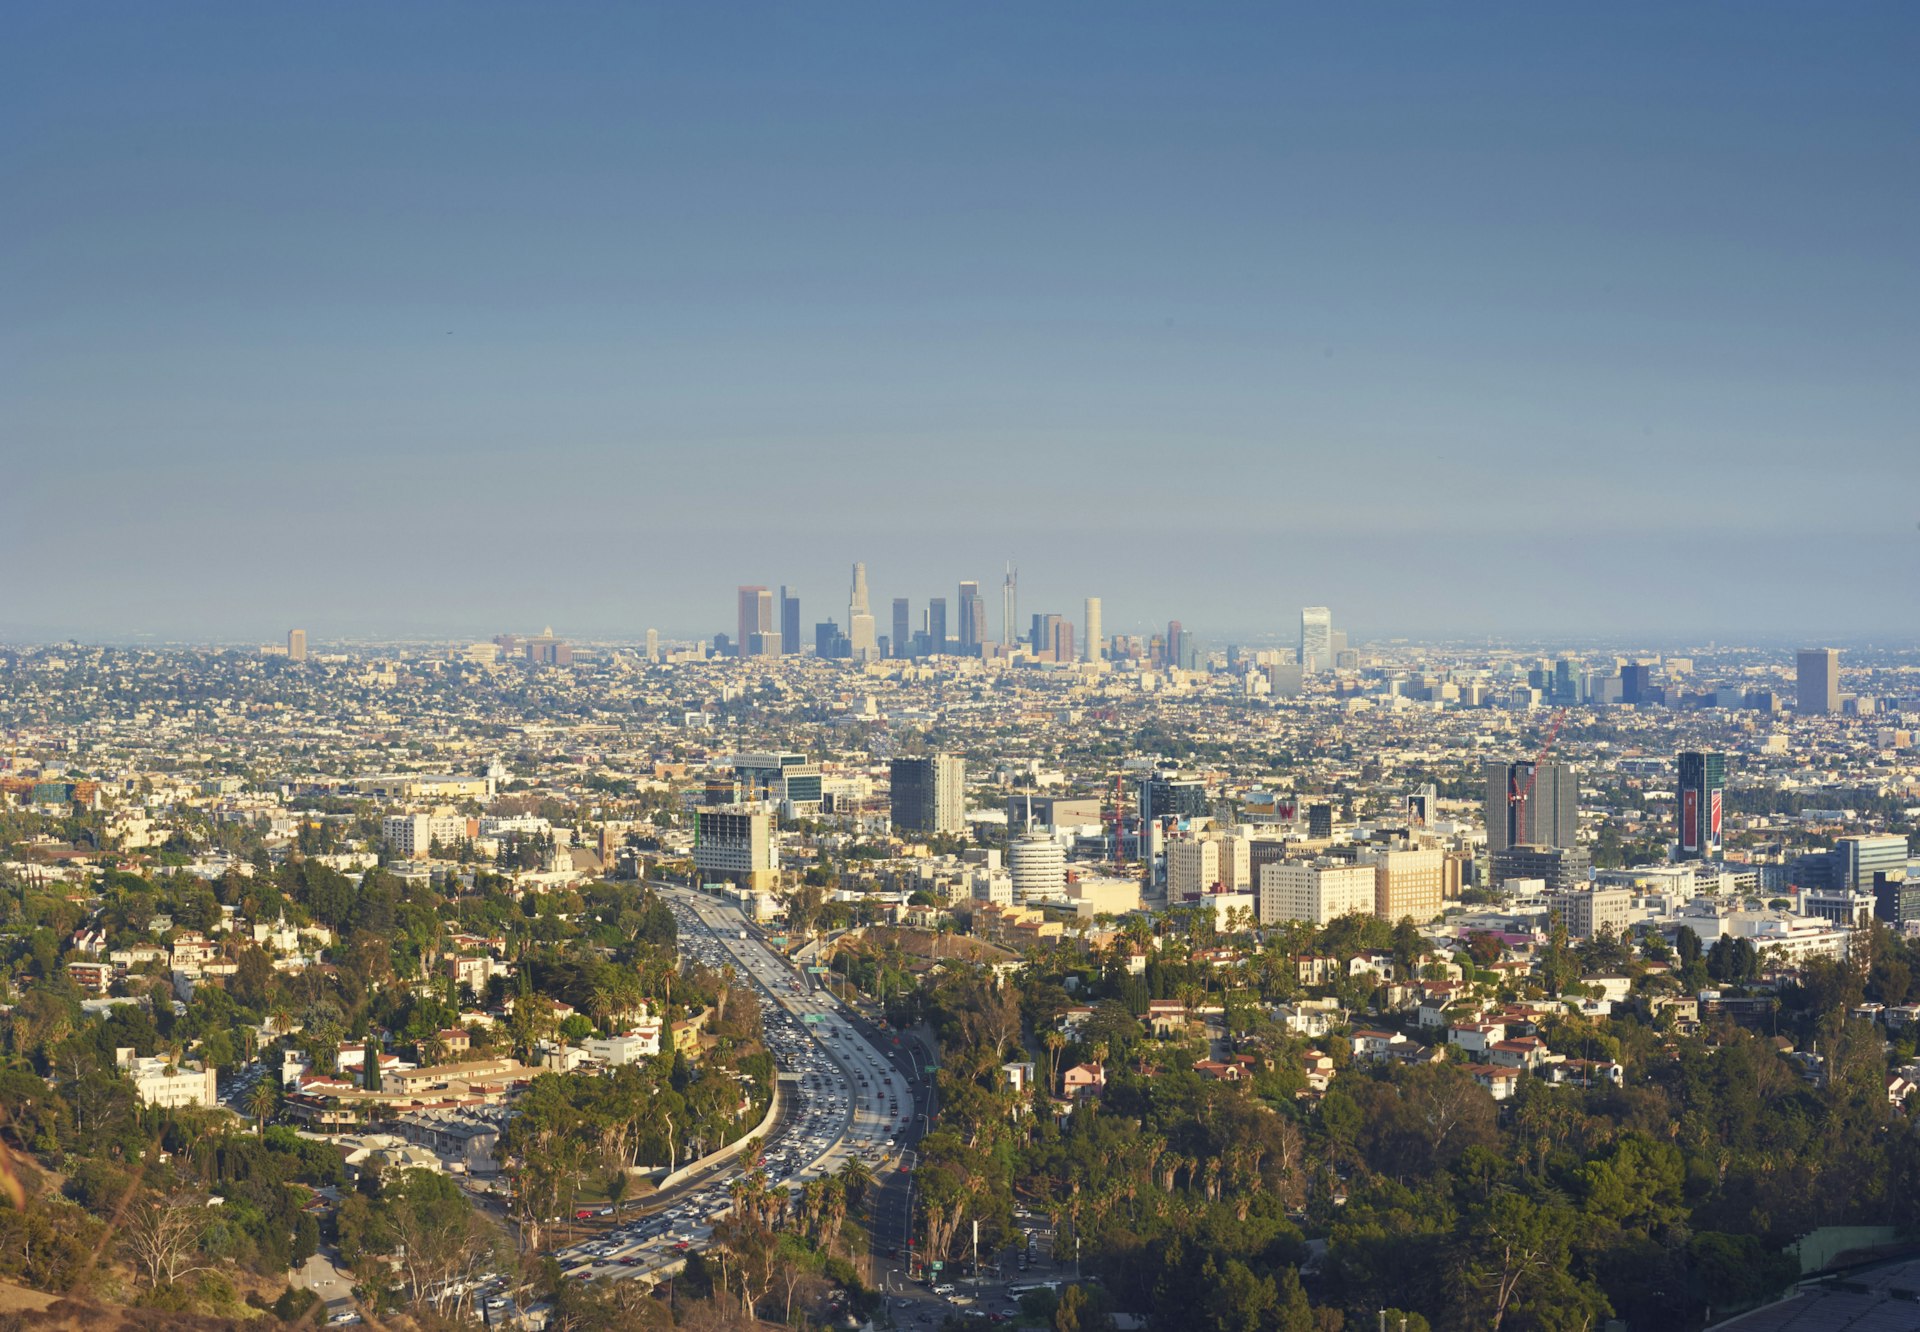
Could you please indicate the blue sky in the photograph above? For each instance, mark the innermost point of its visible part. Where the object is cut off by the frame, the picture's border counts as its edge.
(1522, 320)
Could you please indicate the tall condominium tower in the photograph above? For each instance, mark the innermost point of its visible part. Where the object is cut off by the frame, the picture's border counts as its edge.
(971, 613)
(1527, 809)
(756, 617)
(1091, 649)
(1316, 638)
(653, 645)
(1818, 681)
(929, 794)
(1703, 783)
(296, 645)
(863, 644)
(789, 621)
(1010, 607)
(1636, 683)
(902, 628)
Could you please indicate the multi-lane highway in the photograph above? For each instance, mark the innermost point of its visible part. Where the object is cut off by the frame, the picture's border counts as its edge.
(843, 1097)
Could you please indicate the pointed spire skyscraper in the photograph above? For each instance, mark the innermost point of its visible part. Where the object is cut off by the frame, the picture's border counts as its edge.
(860, 632)
(1010, 607)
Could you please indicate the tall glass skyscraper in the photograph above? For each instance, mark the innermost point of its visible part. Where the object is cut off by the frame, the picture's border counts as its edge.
(1818, 681)
(972, 613)
(1702, 789)
(1528, 809)
(861, 639)
(902, 628)
(1316, 639)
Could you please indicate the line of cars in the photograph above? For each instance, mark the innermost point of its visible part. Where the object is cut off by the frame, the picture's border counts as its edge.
(811, 1137)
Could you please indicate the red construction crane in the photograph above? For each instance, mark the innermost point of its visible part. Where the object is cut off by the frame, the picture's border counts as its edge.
(1518, 799)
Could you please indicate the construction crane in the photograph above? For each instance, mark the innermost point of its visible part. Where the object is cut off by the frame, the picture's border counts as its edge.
(1517, 799)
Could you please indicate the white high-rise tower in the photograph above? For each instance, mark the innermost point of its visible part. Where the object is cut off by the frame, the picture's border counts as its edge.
(1316, 639)
(1009, 607)
(1093, 649)
(860, 634)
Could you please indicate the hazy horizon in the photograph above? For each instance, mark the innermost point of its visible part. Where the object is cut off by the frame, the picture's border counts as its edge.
(449, 320)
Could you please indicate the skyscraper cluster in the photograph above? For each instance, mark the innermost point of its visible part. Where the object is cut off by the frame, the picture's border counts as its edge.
(769, 626)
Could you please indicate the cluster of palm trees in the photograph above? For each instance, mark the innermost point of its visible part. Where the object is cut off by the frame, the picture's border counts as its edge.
(771, 1231)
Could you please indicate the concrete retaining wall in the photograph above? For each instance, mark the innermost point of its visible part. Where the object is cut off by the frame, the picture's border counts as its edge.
(733, 1148)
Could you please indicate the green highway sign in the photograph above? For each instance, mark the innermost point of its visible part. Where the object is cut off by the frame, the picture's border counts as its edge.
(817, 971)
(809, 1017)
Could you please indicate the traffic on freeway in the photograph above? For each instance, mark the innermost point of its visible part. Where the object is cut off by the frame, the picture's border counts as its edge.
(842, 1097)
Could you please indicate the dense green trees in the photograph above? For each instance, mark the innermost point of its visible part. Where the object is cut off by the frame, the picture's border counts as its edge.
(1560, 1208)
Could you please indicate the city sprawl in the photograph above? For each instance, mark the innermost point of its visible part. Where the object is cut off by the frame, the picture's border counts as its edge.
(890, 972)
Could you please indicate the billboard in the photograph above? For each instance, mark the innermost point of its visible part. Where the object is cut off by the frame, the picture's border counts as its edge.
(1700, 829)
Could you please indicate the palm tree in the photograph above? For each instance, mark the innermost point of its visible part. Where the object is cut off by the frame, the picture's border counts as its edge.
(262, 1101)
(856, 1176)
(1055, 1042)
(602, 1005)
(833, 1213)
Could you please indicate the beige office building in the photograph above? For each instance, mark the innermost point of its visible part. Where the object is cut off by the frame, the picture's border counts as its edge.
(1409, 884)
(1316, 893)
(1236, 861)
(1192, 868)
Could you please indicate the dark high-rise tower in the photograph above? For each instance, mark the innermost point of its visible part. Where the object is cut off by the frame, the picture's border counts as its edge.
(972, 612)
(929, 794)
(1703, 783)
(789, 622)
(902, 628)
(1636, 683)
(937, 626)
(1546, 816)
(1818, 680)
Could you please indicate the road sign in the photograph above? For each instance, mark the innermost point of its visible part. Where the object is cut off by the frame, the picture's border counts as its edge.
(816, 971)
(810, 1017)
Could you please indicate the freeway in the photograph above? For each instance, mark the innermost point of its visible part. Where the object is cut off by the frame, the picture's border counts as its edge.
(844, 1098)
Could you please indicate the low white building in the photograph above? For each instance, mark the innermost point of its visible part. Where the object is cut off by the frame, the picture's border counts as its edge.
(163, 1083)
(642, 1042)
(413, 835)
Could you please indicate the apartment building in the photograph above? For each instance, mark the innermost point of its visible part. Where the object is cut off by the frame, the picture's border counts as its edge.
(1409, 883)
(1316, 892)
(412, 836)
